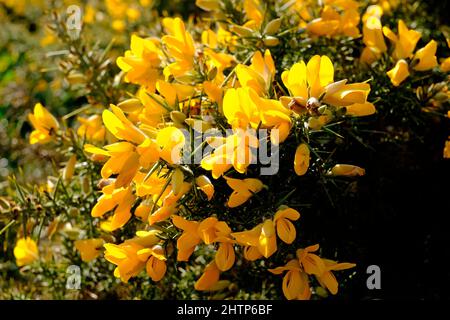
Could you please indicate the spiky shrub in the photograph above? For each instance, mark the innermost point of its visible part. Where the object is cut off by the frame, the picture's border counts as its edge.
(163, 166)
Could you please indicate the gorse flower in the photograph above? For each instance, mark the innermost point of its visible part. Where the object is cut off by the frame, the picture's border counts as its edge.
(91, 128)
(332, 23)
(347, 170)
(282, 220)
(145, 159)
(399, 73)
(180, 46)
(301, 159)
(405, 42)
(296, 283)
(25, 251)
(89, 248)
(242, 190)
(142, 62)
(118, 199)
(313, 83)
(44, 123)
(181, 147)
(404, 45)
(261, 241)
(259, 74)
(132, 256)
(373, 35)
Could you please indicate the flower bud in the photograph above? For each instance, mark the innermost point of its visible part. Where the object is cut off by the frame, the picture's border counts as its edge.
(130, 105)
(177, 181)
(270, 41)
(241, 31)
(272, 27)
(70, 168)
(76, 78)
(177, 117)
(347, 170)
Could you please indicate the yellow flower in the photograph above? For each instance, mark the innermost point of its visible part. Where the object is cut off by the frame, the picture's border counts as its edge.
(405, 42)
(152, 185)
(210, 231)
(218, 61)
(123, 161)
(373, 11)
(25, 251)
(180, 46)
(445, 65)
(235, 150)
(369, 55)
(259, 74)
(116, 8)
(447, 149)
(142, 63)
(143, 211)
(91, 128)
(309, 80)
(225, 256)
(285, 229)
(239, 108)
(155, 266)
(171, 141)
(373, 39)
(243, 190)
(310, 262)
(295, 282)
(267, 242)
(213, 91)
(148, 152)
(190, 238)
(174, 92)
(426, 57)
(255, 13)
(249, 239)
(205, 185)
(399, 73)
(347, 170)
(327, 279)
(301, 159)
(261, 241)
(117, 123)
(243, 108)
(208, 5)
(332, 23)
(209, 278)
(89, 248)
(311, 83)
(133, 14)
(121, 200)
(154, 109)
(89, 14)
(133, 255)
(169, 204)
(251, 253)
(118, 25)
(44, 124)
(127, 156)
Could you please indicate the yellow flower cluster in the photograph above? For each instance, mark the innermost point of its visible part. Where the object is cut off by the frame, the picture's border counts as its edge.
(402, 49)
(162, 150)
